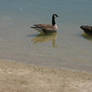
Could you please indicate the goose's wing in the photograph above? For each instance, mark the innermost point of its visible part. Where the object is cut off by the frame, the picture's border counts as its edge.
(44, 26)
(86, 27)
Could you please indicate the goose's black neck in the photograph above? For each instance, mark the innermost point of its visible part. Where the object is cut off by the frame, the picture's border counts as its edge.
(53, 20)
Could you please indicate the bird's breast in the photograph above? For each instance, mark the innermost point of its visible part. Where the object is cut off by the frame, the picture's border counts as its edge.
(55, 27)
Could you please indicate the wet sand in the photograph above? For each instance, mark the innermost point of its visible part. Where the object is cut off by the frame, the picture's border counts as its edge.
(19, 77)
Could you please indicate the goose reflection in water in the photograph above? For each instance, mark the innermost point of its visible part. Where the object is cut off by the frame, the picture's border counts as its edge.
(40, 38)
(86, 36)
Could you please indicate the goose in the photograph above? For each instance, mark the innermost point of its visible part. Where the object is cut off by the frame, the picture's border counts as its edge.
(47, 28)
(87, 29)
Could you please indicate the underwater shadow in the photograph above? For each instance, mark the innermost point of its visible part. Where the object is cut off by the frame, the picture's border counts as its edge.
(40, 38)
(32, 35)
(86, 36)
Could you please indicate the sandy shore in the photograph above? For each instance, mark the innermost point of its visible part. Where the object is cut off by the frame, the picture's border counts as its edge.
(18, 77)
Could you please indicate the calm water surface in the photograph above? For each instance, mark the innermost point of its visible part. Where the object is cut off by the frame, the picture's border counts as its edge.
(66, 49)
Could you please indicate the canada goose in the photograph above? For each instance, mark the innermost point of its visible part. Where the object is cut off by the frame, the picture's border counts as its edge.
(87, 29)
(47, 28)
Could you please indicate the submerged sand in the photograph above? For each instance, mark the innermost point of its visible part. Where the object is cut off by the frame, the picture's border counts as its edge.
(18, 77)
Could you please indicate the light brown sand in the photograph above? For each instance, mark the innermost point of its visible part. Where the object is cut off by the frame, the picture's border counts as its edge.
(17, 77)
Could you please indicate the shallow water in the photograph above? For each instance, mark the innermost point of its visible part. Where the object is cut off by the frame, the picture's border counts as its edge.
(68, 48)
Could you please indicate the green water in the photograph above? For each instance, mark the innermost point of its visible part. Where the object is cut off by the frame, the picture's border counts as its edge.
(68, 48)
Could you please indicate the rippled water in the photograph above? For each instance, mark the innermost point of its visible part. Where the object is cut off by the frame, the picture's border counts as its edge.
(68, 48)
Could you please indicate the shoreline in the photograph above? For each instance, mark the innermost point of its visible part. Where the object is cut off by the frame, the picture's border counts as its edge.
(19, 77)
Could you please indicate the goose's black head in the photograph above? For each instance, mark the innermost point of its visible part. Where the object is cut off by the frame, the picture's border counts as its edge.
(53, 19)
(55, 15)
